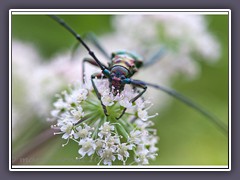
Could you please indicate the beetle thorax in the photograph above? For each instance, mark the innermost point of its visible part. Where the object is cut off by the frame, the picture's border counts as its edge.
(123, 60)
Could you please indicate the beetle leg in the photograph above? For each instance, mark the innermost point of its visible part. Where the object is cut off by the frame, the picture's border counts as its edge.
(90, 61)
(98, 76)
(140, 85)
(155, 57)
(135, 117)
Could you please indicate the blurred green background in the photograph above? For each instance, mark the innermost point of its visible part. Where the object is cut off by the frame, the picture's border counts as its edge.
(186, 137)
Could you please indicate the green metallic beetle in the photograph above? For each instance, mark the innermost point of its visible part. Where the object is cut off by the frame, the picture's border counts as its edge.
(121, 67)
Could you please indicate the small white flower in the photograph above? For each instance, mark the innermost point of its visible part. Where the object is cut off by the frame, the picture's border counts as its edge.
(105, 130)
(112, 142)
(67, 129)
(66, 117)
(125, 103)
(128, 93)
(107, 99)
(142, 114)
(103, 86)
(153, 149)
(135, 136)
(60, 104)
(99, 145)
(107, 156)
(142, 158)
(83, 132)
(143, 124)
(80, 95)
(76, 96)
(77, 113)
(123, 151)
(142, 155)
(140, 104)
(88, 147)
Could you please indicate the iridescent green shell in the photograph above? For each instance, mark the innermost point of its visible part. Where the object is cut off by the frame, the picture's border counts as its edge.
(129, 60)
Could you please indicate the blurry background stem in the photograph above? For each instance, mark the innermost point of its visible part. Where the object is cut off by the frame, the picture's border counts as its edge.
(33, 145)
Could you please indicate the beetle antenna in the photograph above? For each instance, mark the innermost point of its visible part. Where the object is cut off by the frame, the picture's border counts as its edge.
(188, 102)
(78, 37)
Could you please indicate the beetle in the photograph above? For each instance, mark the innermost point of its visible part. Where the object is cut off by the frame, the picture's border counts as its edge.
(120, 70)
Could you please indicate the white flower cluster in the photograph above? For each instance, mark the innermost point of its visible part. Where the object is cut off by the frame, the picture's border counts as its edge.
(80, 118)
(179, 32)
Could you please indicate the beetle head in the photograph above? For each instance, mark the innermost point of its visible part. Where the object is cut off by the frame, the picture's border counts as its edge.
(116, 81)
